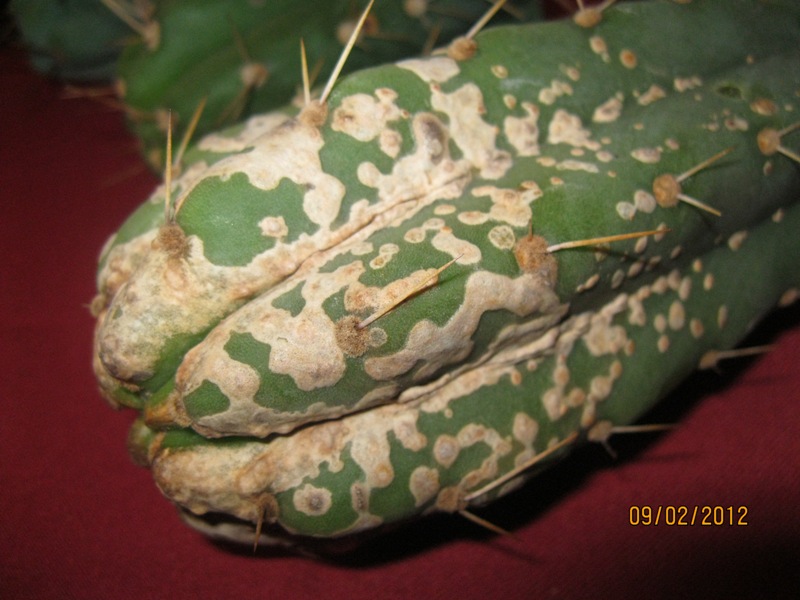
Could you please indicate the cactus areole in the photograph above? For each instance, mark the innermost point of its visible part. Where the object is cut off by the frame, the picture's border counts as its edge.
(367, 311)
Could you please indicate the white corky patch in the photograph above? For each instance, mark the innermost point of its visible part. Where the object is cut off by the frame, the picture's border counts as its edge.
(572, 72)
(432, 346)
(696, 327)
(635, 269)
(653, 94)
(736, 240)
(677, 316)
(473, 217)
(591, 282)
(628, 59)
(427, 173)
(599, 47)
(649, 156)
(604, 156)
(736, 124)
(475, 137)
(523, 132)
(365, 117)
(722, 316)
(423, 484)
(253, 128)
(566, 128)
(370, 450)
(273, 227)
(577, 165)
(445, 450)
(685, 289)
(626, 210)
(437, 69)
(445, 241)
(682, 84)
(644, 202)
(390, 142)
(444, 209)
(510, 206)
(554, 91)
(609, 111)
(502, 237)
(415, 235)
(289, 152)
(361, 248)
(499, 71)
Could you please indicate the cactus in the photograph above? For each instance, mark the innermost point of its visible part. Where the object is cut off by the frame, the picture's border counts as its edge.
(76, 40)
(246, 61)
(373, 310)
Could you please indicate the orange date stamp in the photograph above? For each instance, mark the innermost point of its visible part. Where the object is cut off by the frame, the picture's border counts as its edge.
(684, 516)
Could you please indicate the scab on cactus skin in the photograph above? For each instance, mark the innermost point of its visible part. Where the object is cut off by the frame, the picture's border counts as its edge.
(304, 363)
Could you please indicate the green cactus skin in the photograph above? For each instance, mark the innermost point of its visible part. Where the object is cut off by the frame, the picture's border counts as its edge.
(233, 328)
(74, 40)
(247, 61)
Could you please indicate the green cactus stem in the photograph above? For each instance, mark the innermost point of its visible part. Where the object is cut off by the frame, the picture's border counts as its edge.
(246, 59)
(372, 310)
(74, 40)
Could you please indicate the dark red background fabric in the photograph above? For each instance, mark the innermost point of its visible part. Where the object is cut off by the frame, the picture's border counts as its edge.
(79, 520)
